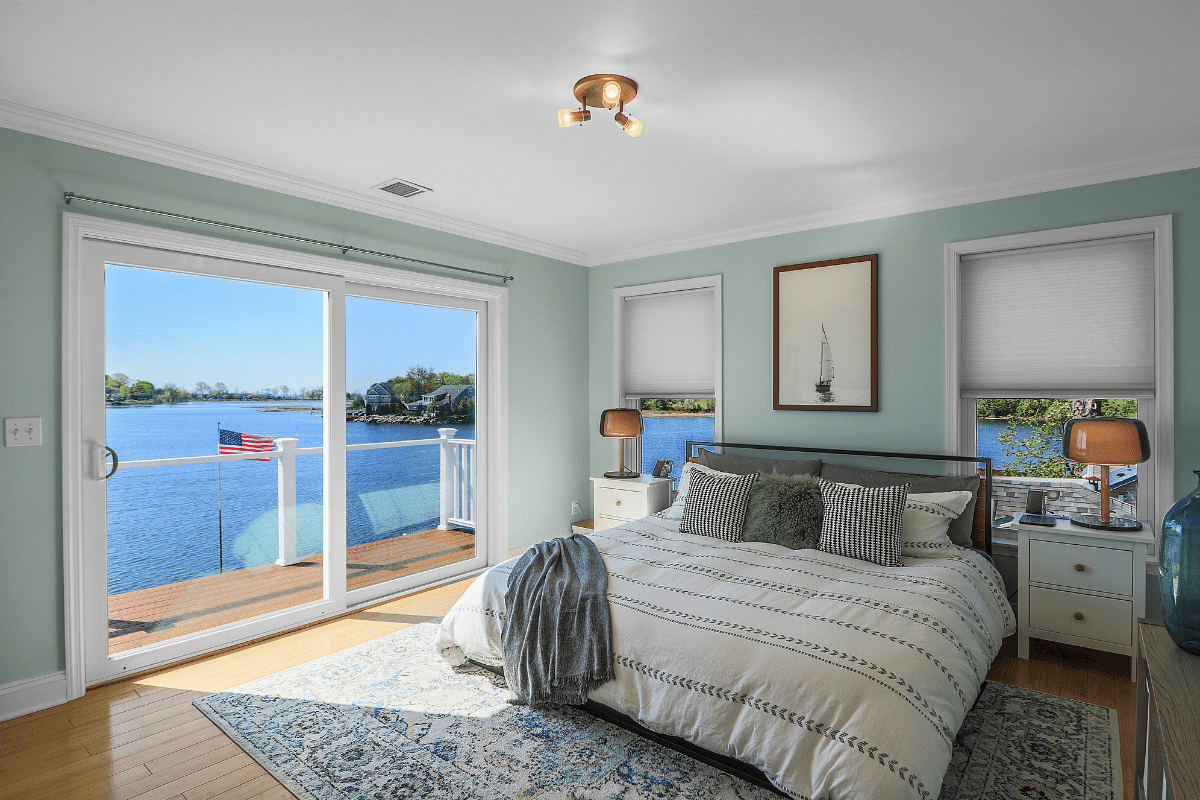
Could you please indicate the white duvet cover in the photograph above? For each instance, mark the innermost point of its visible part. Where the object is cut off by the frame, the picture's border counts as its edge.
(837, 678)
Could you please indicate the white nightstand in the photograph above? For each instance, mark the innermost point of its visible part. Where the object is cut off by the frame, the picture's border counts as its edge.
(617, 500)
(1080, 586)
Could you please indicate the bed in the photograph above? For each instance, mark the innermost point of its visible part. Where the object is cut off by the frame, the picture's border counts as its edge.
(832, 676)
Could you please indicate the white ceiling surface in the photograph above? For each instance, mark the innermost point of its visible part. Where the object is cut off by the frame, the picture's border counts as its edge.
(760, 117)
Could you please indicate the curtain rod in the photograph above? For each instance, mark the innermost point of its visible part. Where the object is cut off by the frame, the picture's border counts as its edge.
(345, 248)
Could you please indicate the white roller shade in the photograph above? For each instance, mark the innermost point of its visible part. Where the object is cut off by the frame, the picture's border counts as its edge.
(1060, 320)
(668, 344)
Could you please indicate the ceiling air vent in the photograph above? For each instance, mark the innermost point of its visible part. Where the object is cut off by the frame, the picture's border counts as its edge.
(402, 188)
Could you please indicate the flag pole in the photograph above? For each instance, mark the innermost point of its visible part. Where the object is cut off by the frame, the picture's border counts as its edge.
(220, 523)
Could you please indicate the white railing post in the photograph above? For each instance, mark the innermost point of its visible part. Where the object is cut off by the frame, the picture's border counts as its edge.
(287, 501)
(449, 480)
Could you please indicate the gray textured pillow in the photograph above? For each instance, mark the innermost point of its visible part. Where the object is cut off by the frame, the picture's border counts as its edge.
(785, 510)
(744, 465)
(960, 528)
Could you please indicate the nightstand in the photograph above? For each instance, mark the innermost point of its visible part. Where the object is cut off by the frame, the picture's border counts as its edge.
(1081, 586)
(618, 500)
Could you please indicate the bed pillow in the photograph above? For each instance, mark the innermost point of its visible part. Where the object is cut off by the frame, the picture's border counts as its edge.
(863, 523)
(927, 515)
(716, 505)
(785, 510)
(675, 510)
(960, 528)
(744, 465)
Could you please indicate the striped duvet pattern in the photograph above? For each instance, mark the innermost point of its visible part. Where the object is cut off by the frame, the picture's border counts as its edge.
(836, 677)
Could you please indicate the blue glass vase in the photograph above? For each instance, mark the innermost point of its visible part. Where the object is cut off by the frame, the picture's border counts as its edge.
(1179, 571)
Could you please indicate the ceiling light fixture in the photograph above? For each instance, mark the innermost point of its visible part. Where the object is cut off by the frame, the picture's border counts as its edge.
(602, 91)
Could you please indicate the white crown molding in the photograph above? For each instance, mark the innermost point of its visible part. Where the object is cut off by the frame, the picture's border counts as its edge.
(1141, 166)
(98, 137)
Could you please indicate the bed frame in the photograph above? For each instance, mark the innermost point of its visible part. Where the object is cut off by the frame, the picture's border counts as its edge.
(981, 529)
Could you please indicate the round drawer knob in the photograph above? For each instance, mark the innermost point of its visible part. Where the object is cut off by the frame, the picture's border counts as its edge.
(1078, 615)
(1080, 568)
(618, 502)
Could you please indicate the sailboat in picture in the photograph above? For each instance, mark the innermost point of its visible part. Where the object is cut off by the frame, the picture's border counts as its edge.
(826, 378)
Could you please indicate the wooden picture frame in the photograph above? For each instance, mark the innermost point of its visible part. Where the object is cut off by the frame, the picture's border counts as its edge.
(826, 347)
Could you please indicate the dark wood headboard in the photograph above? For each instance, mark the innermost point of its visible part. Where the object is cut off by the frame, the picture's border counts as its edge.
(981, 530)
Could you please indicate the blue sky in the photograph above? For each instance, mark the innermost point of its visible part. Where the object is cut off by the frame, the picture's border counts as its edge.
(168, 327)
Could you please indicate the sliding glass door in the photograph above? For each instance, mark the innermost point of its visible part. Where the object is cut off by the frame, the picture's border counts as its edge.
(255, 446)
(413, 377)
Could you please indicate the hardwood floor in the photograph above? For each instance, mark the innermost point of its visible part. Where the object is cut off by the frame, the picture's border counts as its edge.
(141, 739)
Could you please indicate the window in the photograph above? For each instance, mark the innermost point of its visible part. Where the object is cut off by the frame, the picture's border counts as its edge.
(1023, 437)
(1036, 321)
(667, 362)
(670, 422)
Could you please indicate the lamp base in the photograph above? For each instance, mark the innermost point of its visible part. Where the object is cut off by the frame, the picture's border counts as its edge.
(622, 474)
(1114, 524)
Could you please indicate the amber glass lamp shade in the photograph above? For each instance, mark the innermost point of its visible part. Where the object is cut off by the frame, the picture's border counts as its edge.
(1106, 442)
(621, 423)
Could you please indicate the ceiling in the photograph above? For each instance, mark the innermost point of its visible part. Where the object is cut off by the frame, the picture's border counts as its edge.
(760, 117)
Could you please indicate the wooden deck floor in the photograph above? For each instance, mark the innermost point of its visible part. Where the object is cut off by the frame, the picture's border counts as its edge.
(164, 612)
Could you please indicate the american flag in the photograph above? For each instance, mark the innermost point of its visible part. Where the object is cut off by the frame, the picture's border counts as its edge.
(234, 442)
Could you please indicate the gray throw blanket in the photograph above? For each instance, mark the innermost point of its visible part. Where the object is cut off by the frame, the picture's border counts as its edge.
(557, 636)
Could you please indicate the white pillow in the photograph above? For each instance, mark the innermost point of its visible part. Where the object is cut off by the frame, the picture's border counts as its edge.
(927, 516)
(675, 510)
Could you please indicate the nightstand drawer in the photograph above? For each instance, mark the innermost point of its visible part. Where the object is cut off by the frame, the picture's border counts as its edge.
(1095, 569)
(620, 503)
(602, 523)
(1104, 618)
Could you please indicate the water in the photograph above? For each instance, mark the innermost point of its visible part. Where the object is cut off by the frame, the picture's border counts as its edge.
(665, 437)
(163, 521)
(987, 439)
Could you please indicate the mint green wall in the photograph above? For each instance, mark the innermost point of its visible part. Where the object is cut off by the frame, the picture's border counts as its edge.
(547, 353)
(911, 413)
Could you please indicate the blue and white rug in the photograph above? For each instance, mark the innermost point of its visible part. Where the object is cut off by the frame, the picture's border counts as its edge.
(390, 719)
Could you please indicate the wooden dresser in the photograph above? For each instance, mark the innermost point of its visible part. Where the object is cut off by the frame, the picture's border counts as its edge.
(1167, 758)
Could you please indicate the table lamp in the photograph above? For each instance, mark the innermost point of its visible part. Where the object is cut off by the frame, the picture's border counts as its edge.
(1106, 442)
(621, 423)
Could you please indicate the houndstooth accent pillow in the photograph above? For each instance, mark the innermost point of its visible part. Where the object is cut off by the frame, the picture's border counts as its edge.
(863, 523)
(716, 505)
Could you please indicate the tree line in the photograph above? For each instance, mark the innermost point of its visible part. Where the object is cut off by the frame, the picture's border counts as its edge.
(680, 406)
(1038, 453)
(120, 388)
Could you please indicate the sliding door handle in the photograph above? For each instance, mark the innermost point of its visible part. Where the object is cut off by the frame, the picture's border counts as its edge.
(102, 471)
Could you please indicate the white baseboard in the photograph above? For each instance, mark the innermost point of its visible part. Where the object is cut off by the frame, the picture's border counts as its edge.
(27, 696)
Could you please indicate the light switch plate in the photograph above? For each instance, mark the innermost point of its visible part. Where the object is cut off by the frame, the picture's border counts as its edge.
(22, 431)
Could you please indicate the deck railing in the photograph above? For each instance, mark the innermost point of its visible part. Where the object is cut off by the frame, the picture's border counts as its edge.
(455, 474)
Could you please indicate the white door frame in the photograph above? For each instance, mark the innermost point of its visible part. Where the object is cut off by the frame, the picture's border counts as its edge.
(79, 306)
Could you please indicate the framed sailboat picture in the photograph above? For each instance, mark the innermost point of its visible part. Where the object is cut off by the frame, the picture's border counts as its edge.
(826, 335)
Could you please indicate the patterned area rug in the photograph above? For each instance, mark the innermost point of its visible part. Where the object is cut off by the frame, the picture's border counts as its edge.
(390, 719)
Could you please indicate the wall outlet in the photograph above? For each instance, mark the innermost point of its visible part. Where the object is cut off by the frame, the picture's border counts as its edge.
(575, 509)
(22, 431)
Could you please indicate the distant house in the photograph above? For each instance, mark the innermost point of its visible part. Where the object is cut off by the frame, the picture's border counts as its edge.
(446, 396)
(385, 398)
